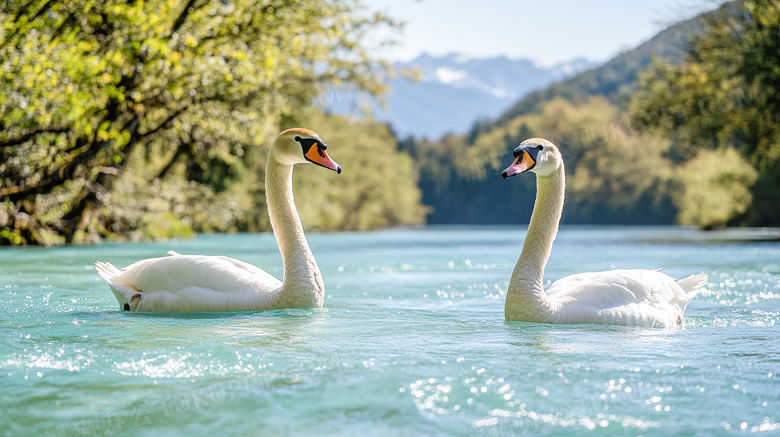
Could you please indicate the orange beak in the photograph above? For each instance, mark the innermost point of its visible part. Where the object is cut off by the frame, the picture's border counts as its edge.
(320, 157)
(522, 164)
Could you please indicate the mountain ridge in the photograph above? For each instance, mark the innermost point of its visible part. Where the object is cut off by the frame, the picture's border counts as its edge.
(615, 79)
(454, 91)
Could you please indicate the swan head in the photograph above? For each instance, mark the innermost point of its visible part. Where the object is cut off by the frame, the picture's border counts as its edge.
(535, 154)
(298, 146)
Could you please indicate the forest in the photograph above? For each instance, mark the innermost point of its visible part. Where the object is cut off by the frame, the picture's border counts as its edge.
(147, 120)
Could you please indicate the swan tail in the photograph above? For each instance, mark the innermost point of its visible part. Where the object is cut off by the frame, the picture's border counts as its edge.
(107, 271)
(129, 296)
(173, 253)
(693, 283)
(691, 286)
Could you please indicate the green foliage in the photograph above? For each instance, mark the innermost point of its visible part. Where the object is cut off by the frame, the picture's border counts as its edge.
(726, 94)
(626, 181)
(617, 172)
(441, 180)
(573, 127)
(106, 106)
(717, 188)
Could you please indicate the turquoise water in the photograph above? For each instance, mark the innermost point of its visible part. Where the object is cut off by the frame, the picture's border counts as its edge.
(411, 341)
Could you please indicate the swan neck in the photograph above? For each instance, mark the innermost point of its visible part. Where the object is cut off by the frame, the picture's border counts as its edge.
(302, 280)
(545, 219)
(526, 287)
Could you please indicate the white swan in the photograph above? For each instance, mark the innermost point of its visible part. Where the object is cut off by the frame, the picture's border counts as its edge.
(194, 283)
(621, 297)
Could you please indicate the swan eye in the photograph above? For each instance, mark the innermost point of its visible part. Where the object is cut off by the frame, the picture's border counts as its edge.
(307, 143)
(540, 147)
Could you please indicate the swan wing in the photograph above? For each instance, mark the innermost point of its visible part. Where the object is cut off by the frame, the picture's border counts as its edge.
(185, 283)
(629, 297)
(219, 273)
(259, 274)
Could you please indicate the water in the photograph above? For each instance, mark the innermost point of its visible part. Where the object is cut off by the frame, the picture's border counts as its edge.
(411, 341)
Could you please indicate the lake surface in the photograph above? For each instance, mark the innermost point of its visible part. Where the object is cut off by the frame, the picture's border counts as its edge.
(412, 341)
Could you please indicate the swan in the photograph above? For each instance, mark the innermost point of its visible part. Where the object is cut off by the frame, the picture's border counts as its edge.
(619, 297)
(196, 283)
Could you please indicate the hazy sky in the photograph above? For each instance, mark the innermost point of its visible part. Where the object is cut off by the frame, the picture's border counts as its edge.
(546, 31)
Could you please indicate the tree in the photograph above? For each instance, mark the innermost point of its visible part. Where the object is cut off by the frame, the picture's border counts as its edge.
(182, 88)
(726, 95)
(716, 188)
(629, 180)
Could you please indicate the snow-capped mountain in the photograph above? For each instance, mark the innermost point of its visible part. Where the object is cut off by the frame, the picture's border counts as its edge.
(454, 91)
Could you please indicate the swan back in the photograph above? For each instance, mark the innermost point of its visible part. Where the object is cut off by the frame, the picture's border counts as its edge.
(623, 297)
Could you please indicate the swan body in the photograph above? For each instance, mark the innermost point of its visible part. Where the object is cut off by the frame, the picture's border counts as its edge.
(200, 283)
(620, 297)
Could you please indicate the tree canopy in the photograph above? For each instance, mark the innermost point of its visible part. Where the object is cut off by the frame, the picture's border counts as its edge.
(615, 174)
(181, 93)
(725, 96)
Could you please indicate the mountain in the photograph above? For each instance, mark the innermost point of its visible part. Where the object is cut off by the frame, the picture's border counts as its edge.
(616, 78)
(454, 91)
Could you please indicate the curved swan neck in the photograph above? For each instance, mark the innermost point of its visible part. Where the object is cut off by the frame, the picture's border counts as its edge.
(302, 280)
(544, 222)
(525, 287)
